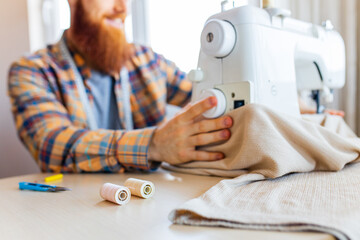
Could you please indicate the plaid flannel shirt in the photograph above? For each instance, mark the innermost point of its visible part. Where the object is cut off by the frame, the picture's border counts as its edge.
(51, 121)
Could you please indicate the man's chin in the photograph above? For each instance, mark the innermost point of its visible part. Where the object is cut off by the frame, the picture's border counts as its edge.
(111, 50)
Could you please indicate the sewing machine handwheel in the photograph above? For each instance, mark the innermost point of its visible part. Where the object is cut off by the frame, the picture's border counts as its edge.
(218, 38)
(220, 108)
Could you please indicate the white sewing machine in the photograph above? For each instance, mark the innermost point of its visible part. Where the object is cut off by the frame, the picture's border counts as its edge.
(260, 55)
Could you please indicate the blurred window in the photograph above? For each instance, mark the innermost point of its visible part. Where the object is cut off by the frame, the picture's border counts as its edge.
(175, 27)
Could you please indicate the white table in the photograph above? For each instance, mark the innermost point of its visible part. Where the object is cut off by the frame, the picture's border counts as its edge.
(82, 214)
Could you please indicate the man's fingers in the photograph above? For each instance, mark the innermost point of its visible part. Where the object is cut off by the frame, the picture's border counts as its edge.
(210, 125)
(208, 138)
(198, 108)
(335, 112)
(205, 156)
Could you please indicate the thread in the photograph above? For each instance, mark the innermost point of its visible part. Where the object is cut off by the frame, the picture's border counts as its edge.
(140, 188)
(268, 3)
(115, 193)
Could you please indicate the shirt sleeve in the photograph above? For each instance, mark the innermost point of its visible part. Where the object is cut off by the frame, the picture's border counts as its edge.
(45, 127)
(178, 86)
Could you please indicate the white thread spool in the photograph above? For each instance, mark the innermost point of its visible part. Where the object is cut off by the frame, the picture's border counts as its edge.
(140, 188)
(115, 193)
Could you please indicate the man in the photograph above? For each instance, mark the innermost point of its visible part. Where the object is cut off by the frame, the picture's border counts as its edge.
(73, 125)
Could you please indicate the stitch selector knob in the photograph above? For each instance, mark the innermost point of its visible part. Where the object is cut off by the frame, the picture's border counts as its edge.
(220, 108)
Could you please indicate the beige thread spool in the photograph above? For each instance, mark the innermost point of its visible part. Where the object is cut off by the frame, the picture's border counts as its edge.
(115, 193)
(268, 3)
(140, 188)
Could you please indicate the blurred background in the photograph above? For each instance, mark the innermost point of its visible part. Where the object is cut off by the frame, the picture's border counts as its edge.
(171, 28)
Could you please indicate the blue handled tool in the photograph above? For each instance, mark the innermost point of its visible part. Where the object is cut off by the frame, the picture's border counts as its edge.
(41, 187)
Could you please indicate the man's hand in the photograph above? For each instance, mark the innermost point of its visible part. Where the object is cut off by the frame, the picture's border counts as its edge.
(306, 109)
(175, 141)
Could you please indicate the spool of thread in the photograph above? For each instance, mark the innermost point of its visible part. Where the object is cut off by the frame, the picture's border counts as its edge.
(140, 188)
(268, 3)
(115, 193)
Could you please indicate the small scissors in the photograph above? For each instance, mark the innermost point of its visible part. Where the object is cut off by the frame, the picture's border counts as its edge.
(41, 187)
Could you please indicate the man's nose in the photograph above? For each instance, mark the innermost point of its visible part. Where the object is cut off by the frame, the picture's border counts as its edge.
(120, 6)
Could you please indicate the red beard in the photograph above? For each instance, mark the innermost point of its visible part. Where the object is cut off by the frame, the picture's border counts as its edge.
(104, 47)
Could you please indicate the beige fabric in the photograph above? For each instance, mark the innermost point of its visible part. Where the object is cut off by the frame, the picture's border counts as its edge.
(264, 145)
(273, 145)
(320, 201)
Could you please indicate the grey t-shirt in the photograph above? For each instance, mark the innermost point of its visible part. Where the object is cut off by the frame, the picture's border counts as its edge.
(105, 107)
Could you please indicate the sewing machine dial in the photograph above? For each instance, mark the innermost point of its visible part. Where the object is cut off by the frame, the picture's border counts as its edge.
(220, 108)
(229, 97)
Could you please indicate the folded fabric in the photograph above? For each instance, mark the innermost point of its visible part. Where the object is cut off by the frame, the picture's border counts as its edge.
(264, 149)
(326, 202)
